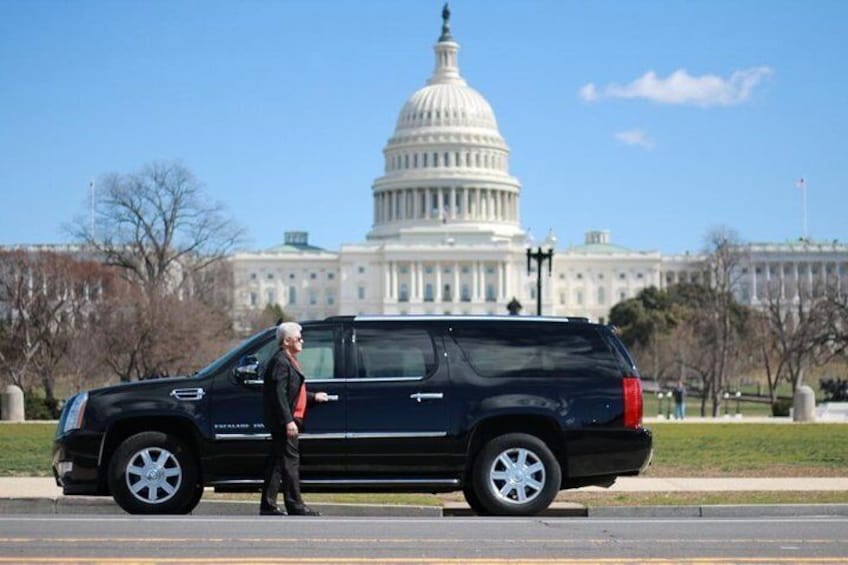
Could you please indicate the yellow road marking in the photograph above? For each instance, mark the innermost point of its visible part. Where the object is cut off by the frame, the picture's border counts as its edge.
(422, 560)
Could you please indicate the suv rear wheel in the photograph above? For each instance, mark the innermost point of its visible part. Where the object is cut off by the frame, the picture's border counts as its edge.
(154, 473)
(516, 475)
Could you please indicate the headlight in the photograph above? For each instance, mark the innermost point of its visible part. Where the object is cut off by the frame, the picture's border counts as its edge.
(76, 411)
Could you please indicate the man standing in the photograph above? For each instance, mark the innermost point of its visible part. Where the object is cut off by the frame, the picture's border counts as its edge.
(679, 393)
(285, 399)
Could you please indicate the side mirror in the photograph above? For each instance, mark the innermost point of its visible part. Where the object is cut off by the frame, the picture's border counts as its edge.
(247, 371)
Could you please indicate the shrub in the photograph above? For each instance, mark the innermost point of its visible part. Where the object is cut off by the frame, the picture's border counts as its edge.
(781, 407)
(38, 408)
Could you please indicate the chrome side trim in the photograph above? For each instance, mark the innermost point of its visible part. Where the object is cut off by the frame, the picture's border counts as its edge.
(381, 482)
(393, 435)
(360, 482)
(310, 382)
(349, 435)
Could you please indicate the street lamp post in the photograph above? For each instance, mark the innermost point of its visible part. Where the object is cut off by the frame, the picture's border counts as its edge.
(540, 255)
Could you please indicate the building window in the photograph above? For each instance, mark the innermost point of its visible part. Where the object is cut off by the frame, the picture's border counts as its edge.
(291, 276)
(292, 295)
(403, 295)
(601, 295)
(428, 292)
(562, 298)
(490, 293)
(331, 276)
(465, 269)
(403, 270)
(579, 276)
(253, 276)
(360, 293)
(313, 298)
(269, 295)
(428, 270)
(331, 299)
(446, 293)
(270, 276)
(562, 276)
(490, 270)
(312, 276)
(622, 276)
(622, 295)
(361, 269)
(254, 298)
(578, 297)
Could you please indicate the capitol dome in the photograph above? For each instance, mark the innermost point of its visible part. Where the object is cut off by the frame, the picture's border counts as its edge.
(446, 165)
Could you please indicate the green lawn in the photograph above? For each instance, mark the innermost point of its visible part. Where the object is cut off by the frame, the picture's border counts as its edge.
(738, 450)
(26, 449)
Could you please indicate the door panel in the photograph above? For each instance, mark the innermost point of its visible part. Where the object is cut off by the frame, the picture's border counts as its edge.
(397, 417)
(241, 440)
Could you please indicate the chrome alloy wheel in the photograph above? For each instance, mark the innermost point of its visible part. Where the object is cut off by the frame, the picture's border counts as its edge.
(153, 475)
(517, 475)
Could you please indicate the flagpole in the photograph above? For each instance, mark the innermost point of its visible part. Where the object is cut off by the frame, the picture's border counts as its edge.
(804, 198)
(802, 184)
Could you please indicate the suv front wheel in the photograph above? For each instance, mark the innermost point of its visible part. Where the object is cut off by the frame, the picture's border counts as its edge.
(515, 475)
(154, 473)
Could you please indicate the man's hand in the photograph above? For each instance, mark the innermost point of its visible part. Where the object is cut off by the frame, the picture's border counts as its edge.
(321, 397)
(291, 430)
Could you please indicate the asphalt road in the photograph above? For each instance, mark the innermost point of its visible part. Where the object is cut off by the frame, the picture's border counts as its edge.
(131, 539)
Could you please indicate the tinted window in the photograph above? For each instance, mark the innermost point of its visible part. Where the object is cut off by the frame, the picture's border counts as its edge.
(390, 352)
(317, 359)
(528, 350)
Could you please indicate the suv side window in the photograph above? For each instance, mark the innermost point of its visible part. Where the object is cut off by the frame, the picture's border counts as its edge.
(390, 352)
(519, 350)
(317, 359)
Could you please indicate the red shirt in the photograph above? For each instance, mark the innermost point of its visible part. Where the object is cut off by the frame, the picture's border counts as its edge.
(300, 403)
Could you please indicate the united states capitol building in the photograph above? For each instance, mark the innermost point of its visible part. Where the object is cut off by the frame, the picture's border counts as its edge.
(447, 238)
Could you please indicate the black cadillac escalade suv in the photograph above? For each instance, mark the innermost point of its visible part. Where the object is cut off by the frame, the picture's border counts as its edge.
(508, 409)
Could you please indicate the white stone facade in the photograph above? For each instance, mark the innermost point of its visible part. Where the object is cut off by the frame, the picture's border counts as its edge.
(446, 235)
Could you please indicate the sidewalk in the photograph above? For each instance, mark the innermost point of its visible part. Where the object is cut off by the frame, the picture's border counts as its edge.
(40, 495)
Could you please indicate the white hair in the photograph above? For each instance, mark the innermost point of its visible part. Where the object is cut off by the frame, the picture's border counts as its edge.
(287, 329)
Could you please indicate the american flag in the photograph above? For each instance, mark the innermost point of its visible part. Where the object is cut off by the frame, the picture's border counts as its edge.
(801, 183)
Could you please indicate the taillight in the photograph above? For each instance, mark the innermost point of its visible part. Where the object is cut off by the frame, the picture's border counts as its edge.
(632, 401)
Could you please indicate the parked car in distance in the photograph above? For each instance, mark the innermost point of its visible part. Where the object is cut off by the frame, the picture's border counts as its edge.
(510, 410)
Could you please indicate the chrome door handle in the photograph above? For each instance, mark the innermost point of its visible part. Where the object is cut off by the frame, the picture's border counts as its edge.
(332, 398)
(419, 396)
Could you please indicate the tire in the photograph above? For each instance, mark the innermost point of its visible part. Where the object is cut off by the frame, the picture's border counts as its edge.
(154, 473)
(516, 475)
(472, 500)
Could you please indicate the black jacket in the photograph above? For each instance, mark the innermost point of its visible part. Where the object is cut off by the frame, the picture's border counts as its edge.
(282, 382)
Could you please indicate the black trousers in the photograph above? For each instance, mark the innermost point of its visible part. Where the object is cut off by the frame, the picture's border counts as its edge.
(282, 473)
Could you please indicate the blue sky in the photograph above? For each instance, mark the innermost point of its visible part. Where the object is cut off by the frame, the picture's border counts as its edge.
(657, 120)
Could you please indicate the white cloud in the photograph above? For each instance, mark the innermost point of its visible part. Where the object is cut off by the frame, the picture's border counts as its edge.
(589, 93)
(682, 88)
(635, 137)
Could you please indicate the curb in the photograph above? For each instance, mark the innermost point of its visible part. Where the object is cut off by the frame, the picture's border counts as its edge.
(102, 505)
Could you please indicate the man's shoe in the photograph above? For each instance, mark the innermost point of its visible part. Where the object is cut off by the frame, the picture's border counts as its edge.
(303, 511)
(271, 512)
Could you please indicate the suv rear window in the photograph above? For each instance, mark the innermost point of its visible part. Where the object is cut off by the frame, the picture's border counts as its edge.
(527, 350)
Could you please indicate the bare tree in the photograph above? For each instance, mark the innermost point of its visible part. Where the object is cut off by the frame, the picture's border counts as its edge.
(802, 327)
(157, 226)
(45, 296)
(717, 323)
(169, 243)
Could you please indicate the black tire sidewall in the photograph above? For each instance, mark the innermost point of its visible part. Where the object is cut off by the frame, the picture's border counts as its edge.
(490, 501)
(183, 500)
